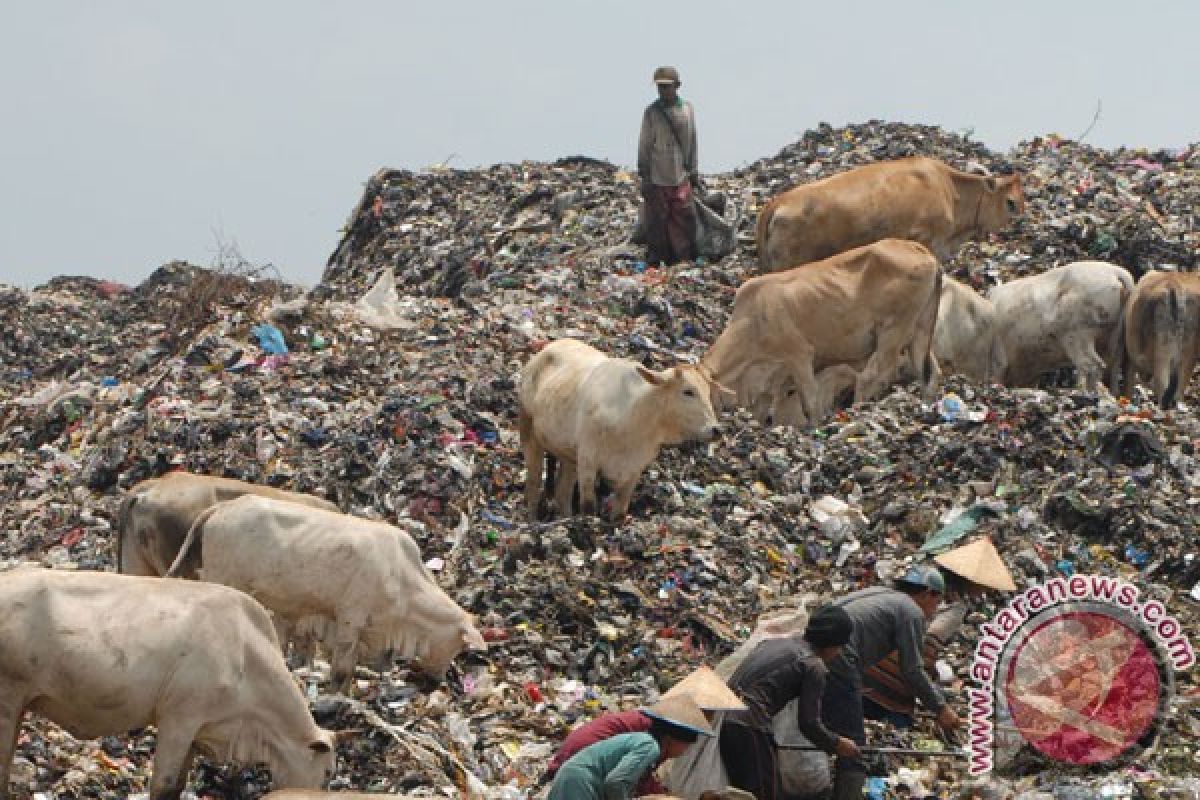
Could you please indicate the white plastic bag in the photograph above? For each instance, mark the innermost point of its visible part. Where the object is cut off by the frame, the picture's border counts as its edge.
(381, 307)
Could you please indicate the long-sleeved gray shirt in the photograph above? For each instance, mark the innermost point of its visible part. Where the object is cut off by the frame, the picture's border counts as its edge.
(885, 620)
(774, 673)
(661, 158)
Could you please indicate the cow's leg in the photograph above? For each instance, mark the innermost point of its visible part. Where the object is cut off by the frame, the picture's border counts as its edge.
(535, 457)
(801, 370)
(878, 372)
(586, 472)
(344, 654)
(172, 759)
(622, 493)
(1089, 366)
(10, 726)
(564, 487)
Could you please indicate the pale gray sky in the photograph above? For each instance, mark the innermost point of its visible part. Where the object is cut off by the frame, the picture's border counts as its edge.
(134, 133)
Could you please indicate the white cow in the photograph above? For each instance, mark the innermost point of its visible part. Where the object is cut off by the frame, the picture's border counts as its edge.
(360, 586)
(604, 416)
(101, 654)
(1061, 318)
(966, 340)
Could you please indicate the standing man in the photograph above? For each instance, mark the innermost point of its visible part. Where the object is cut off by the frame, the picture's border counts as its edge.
(668, 170)
(883, 620)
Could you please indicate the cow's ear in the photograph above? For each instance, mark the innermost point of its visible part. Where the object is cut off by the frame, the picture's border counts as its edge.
(320, 746)
(650, 376)
(473, 639)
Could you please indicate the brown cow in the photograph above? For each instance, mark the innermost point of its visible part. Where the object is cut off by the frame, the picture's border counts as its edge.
(864, 307)
(1161, 330)
(155, 516)
(920, 199)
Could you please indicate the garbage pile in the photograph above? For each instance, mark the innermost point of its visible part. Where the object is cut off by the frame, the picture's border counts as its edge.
(463, 275)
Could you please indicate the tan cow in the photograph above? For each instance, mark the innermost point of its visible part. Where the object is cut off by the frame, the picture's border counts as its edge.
(603, 416)
(864, 307)
(156, 514)
(920, 199)
(1161, 332)
(101, 654)
(357, 585)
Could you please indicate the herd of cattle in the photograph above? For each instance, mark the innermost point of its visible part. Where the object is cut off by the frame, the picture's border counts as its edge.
(864, 304)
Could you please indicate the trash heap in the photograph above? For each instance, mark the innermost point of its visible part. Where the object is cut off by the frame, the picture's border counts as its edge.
(411, 419)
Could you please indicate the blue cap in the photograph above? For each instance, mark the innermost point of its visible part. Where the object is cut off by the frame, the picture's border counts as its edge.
(928, 577)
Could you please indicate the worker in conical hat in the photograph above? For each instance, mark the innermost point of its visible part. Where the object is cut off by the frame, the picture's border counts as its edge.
(969, 572)
(612, 768)
(704, 686)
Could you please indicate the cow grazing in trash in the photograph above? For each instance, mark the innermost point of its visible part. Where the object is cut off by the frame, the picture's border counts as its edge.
(863, 308)
(1160, 330)
(602, 416)
(156, 514)
(966, 340)
(1063, 317)
(358, 586)
(101, 654)
(920, 199)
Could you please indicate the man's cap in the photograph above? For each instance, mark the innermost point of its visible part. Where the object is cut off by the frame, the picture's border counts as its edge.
(926, 577)
(682, 712)
(979, 562)
(829, 626)
(667, 75)
(708, 691)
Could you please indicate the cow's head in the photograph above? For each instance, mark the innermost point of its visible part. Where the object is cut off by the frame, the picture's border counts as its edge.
(306, 765)
(1002, 201)
(682, 398)
(446, 643)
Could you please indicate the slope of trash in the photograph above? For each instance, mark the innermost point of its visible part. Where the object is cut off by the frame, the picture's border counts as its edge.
(413, 421)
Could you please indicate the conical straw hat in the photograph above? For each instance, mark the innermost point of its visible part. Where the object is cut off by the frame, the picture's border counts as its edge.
(978, 562)
(708, 691)
(682, 712)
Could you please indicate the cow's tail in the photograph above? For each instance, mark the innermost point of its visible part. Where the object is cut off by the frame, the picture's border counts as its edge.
(924, 360)
(761, 231)
(1117, 358)
(1169, 315)
(189, 551)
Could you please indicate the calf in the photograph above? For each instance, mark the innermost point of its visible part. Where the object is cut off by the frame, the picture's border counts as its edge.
(156, 514)
(1160, 334)
(358, 585)
(100, 654)
(604, 416)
